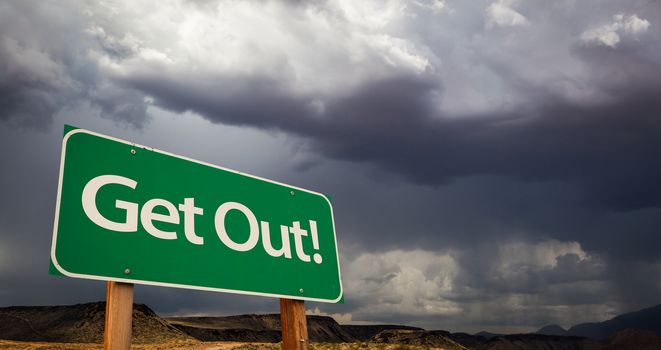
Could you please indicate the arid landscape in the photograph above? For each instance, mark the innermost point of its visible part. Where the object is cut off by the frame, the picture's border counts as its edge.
(423, 174)
(13, 345)
(485, 170)
(80, 326)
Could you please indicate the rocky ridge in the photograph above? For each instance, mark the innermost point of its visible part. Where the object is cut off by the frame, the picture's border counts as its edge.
(80, 323)
(83, 323)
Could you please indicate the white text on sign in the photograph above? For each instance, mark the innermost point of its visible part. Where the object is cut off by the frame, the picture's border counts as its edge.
(189, 211)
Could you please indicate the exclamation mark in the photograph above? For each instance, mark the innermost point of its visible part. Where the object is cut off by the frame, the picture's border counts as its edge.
(315, 241)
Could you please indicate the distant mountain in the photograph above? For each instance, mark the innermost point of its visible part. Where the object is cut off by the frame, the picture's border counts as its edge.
(435, 339)
(540, 341)
(624, 340)
(552, 329)
(646, 319)
(488, 335)
(81, 323)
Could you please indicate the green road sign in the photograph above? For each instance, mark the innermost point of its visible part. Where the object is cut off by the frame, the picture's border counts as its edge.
(131, 213)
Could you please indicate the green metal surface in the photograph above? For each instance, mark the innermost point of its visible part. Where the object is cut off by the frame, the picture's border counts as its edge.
(83, 248)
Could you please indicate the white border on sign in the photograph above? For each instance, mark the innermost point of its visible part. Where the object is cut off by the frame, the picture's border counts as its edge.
(174, 285)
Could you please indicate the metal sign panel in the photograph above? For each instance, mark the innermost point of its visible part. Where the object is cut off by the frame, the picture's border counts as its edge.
(131, 213)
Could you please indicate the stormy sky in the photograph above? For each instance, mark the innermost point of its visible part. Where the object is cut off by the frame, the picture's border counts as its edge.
(494, 165)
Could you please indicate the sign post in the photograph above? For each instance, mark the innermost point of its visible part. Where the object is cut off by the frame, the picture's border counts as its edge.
(131, 214)
(294, 325)
(119, 316)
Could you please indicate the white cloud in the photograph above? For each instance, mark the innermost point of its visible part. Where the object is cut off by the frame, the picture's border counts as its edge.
(521, 277)
(632, 24)
(304, 53)
(32, 64)
(318, 52)
(436, 6)
(531, 267)
(399, 53)
(403, 282)
(502, 14)
(375, 15)
(610, 34)
(123, 46)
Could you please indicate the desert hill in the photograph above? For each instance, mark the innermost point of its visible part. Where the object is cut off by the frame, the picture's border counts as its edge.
(630, 339)
(540, 341)
(436, 339)
(81, 323)
(84, 323)
(624, 340)
(266, 328)
(262, 328)
(366, 332)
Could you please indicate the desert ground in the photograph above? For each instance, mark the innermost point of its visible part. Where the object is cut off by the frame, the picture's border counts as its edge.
(16, 345)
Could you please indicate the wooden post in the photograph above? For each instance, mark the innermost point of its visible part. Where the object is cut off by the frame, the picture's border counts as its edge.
(294, 325)
(119, 315)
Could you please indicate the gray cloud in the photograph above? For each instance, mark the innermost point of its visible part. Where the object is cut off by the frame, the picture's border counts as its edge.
(610, 150)
(35, 80)
(491, 163)
(598, 130)
(509, 285)
(46, 68)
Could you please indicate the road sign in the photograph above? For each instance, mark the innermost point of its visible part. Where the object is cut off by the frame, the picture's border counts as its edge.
(134, 214)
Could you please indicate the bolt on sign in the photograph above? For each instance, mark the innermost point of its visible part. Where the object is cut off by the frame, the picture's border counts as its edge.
(130, 213)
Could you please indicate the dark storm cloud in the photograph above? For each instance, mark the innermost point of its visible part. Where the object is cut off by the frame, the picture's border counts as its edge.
(609, 148)
(608, 144)
(246, 101)
(45, 67)
(612, 150)
(495, 275)
(34, 85)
